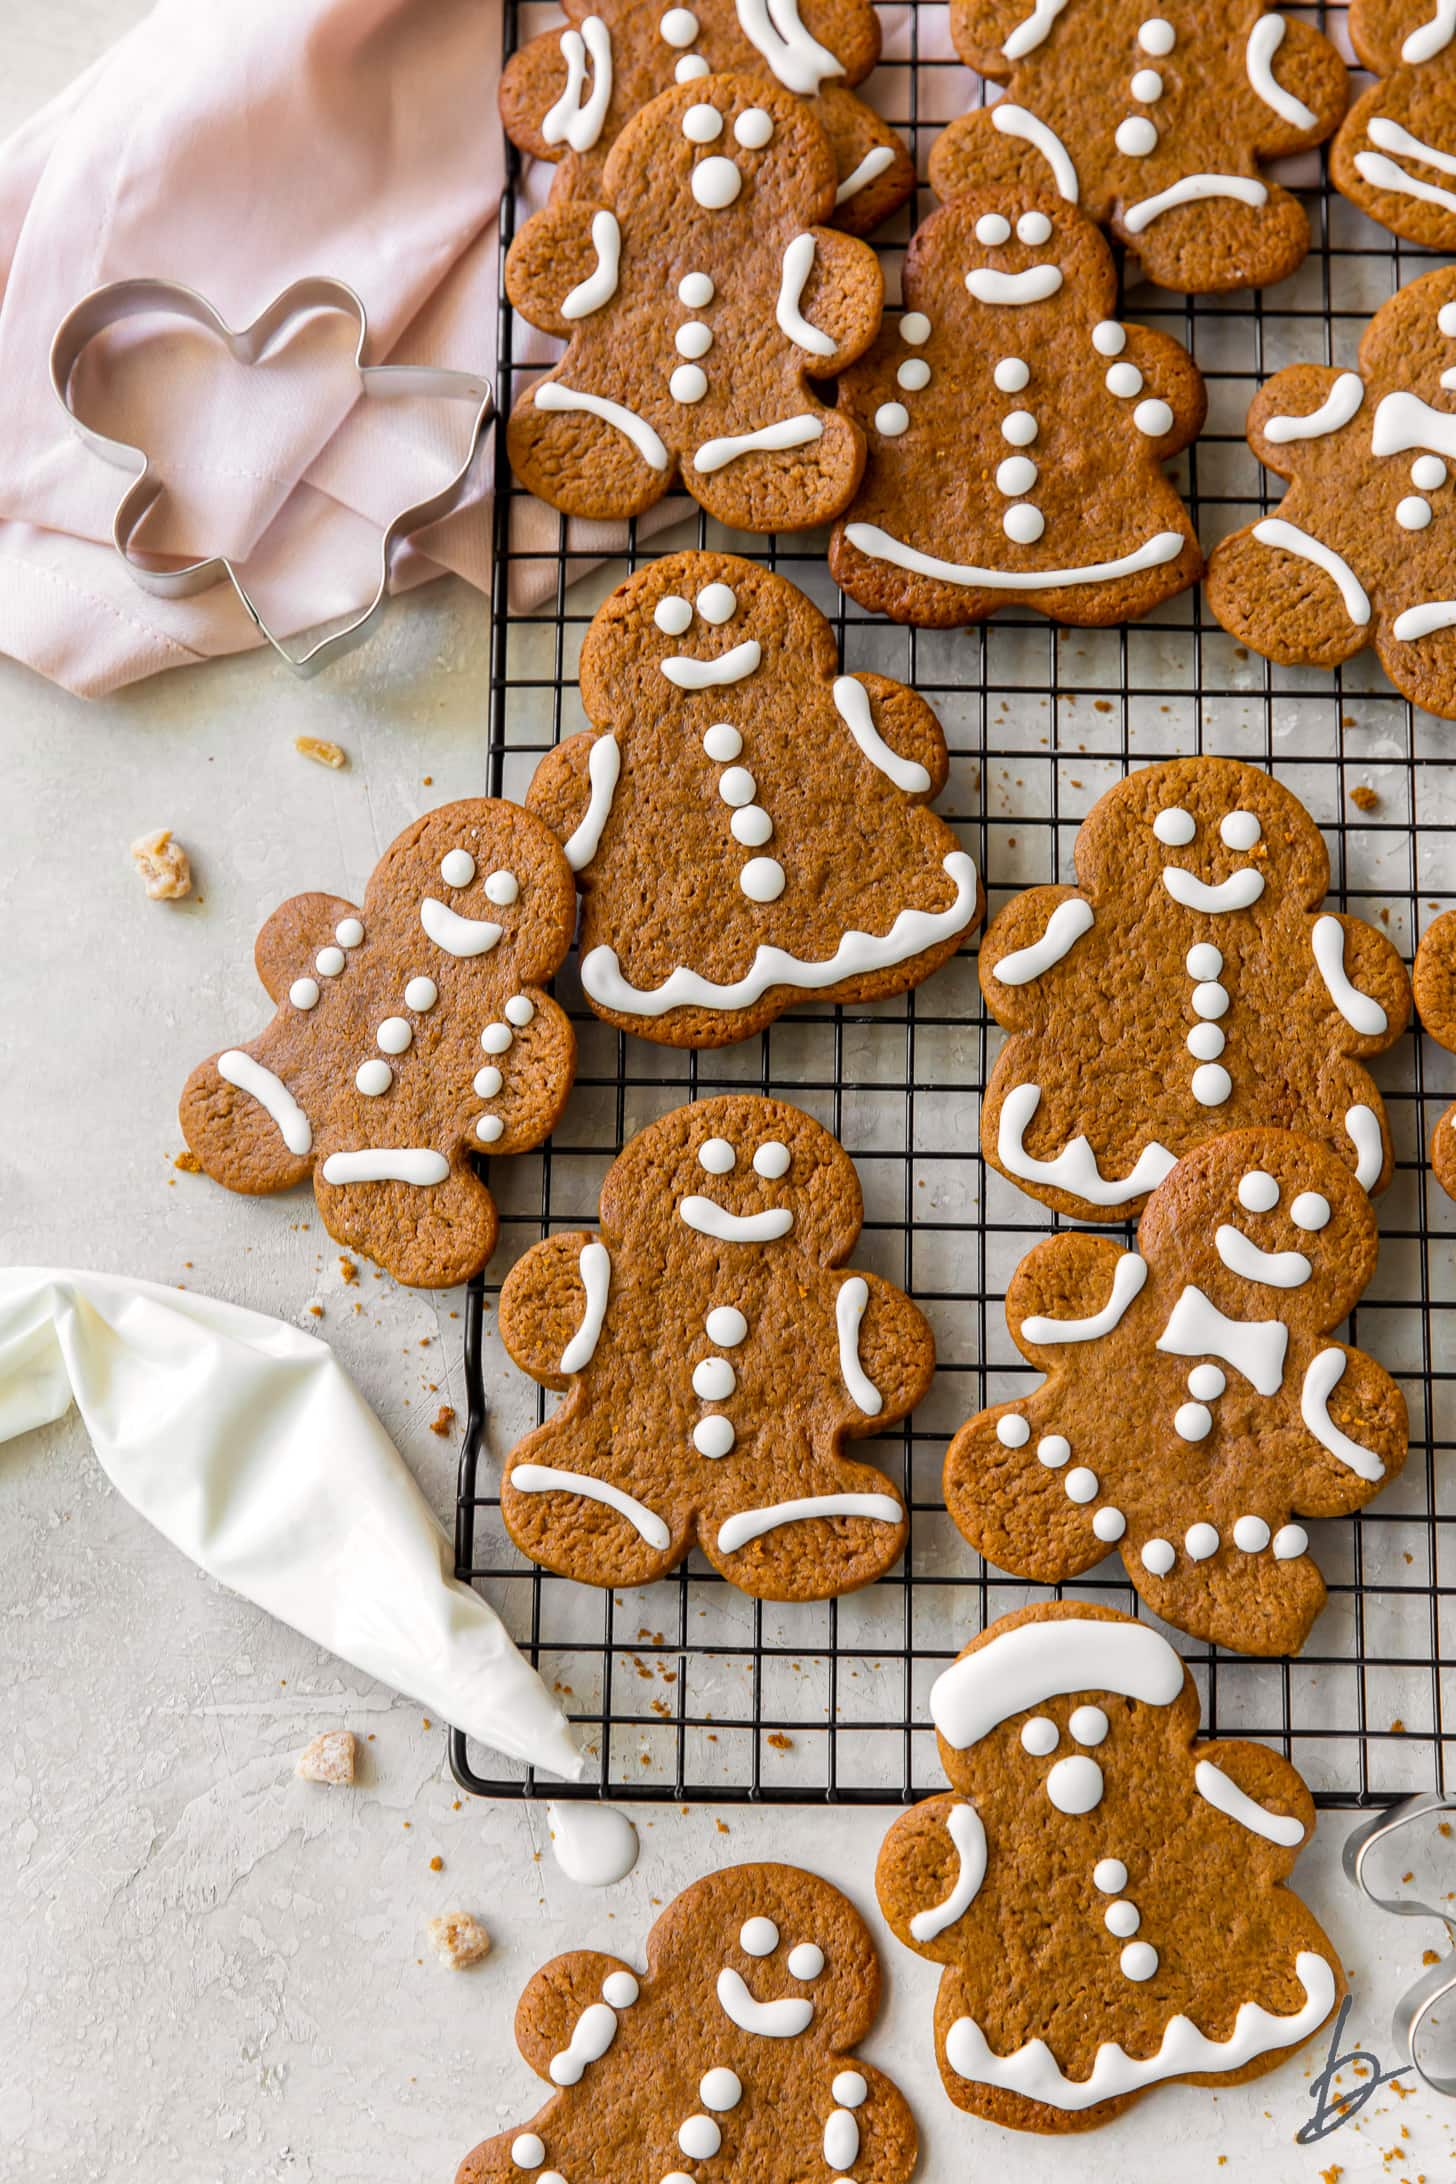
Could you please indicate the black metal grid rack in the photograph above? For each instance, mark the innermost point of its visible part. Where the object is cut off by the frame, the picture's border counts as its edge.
(690, 1691)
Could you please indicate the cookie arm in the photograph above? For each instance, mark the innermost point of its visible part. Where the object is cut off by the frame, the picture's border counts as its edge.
(886, 1350)
(532, 81)
(1352, 1429)
(537, 1077)
(980, 29)
(543, 1307)
(1356, 965)
(1068, 1294)
(1435, 980)
(901, 738)
(1302, 404)
(554, 2001)
(880, 2128)
(560, 789)
(1030, 963)
(1254, 1800)
(1298, 64)
(1170, 375)
(549, 262)
(839, 300)
(291, 938)
(928, 1877)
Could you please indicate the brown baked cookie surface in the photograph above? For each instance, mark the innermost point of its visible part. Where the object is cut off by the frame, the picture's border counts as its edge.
(1192, 1405)
(1434, 980)
(748, 826)
(567, 95)
(1188, 985)
(1396, 151)
(1016, 430)
(1357, 553)
(734, 2047)
(700, 294)
(716, 1356)
(409, 1034)
(1155, 125)
(1106, 1894)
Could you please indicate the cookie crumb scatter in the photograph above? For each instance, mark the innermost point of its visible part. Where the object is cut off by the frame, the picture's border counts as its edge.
(188, 1163)
(443, 1420)
(321, 751)
(330, 1758)
(458, 1939)
(1364, 798)
(163, 864)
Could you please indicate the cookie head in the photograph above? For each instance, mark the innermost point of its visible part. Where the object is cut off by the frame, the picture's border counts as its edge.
(1207, 839)
(695, 624)
(735, 1172)
(472, 881)
(1028, 257)
(789, 1955)
(722, 147)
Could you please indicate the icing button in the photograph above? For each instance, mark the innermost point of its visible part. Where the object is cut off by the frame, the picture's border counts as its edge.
(891, 419)
(1081, 1484)
(1153, 418)
(488, 1082)
(497, 1038)
(348, 932)
(714, 1436)
(914, 328)
(520, 1010)
(1201, 1541)
(1251, 1534)
(1053, 1450)
(1139, 1960)
(762, 879)
(1109, 1876)
(304, 993)
(1108, 338)
(421, 994)
(1158, 1557)
(1122, 1919)
(528, 2151)
(688, 384)
(372, 1078)
(394, 1035)
(489, 1128)
(329, 962)
(1012, 1431)
(1212, 1084)
(1289, 1541)
(850, 2089)
(1109, 1524)
(737, 786)
(1039, 1736)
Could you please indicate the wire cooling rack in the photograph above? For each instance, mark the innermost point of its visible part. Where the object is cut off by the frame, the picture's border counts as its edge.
(689, 1690)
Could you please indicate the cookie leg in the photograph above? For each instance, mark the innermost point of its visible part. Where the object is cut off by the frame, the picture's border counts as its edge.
(1248, 246)
(242, 1139)
(584, 453)
(1282, 603)
(876, 172)
(785, 475)
(826, 1533)
(1256, 1600)
(1027, 1495)
(574, 1505)
(429, 1234)
(1422, 667)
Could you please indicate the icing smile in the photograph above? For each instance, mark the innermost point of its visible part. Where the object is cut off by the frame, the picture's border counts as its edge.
(690, 673)
(1238, 892)
(783, 2019)
(458, 936)
(1033, 286)
(710, 1219)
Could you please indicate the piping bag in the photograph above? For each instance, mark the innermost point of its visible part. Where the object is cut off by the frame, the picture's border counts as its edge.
(246, 1444)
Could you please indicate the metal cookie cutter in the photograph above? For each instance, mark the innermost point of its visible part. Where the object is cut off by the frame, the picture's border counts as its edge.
(1438, 1980)
(109, 306)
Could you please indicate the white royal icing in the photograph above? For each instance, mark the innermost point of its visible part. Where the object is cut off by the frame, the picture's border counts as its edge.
(600, 286)
(1265, 39)
(689, 673)
(785, 433)
(1404, 421)
(1192, 190)
(576, 119)
(1128, 1278)
(1338, 407)
(1274, 531)
(1238, 892)
(849, 1311)
(784, 2019)
(591, 2036)
(272, 1095)
(1033, 2071)
(555, 396)
(1075, 1167)
(1064, 928)
(720, 2089)
(1385, 174)
(852, 703)
(1424, 620)
(458, 936)
(1275, 1269)
(1038, 1661)
(1324, 1374)
(1215, 1787)
(988, 285)
(880, 545)
(603, 767)
(1362, 1126)
(857, 952)
(595, 1265)
(748, 1524)
(1255, 1348)
(963, 1825)
(841, 2140)
(710, 1219)
(798, 265)
(1432, 37)
(773, 28)
(1360, 1012)
(1017, 122)
(547, 1479)
(873, 164)
(413, 1164)
(1030, 32)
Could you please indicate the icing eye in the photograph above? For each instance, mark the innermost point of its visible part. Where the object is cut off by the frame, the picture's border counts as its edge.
(716, 183)
(914, 328)
(753, 129)
(1110, 1876)
(760, 1937)
(679, 27)
(1089, 1725)
(348, 932)
(421, 994)
(1428, 472)
(717, 603)
(771, 1160)
(1310, 1210)
(702, 124)
(1240, 829)
(717, 1156)
(672, 615)
(1258, 1192)
(806, 1960)
(851, 2089)
(696, 290)
(1075, 1785)
(991, 229)
(1175, 826)
(502, 888)
(457, 868)
(1039, 1736)
(1033, 227)
(620, 1989)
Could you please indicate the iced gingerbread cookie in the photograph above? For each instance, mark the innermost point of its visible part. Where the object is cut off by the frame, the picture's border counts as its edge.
(748, 826)
(1188, 985)
(568, 94)
(734, 2049)
(1435, 991)
(1357, 553)
(1192, 1405)
(715, 1356)
(1106, 1894)
(1156, 125)
(699, 296)
(1017, 431)
(1395, 154)
(410, 1034)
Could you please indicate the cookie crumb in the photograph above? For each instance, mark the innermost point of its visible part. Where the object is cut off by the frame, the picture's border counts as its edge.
(330, 1758)
(1431, 1956)
(188, 1163)
(163, 864)
(348, 1272)
(437, 1864)
(442, 1421)
(1364, 798)
(321, 751)
(779, 1741)
(458, 1939)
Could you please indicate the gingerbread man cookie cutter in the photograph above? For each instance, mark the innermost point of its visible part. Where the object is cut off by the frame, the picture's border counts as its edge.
(110, 306)
(1413, 2013)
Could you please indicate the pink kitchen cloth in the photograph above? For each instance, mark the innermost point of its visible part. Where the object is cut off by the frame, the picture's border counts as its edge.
(237, 147)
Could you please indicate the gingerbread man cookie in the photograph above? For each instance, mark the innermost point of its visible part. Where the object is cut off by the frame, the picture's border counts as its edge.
(700, 296)
(410, 1034)
(790, 800)
(1155, 125)
(1017, 431)
(1435, 994)
(567, 95)
(715, 1357)
(1185, 987)
(1356, 553)
(1192, 1405)
(1106, 1894)
(1396, 151)
(736, 2042)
